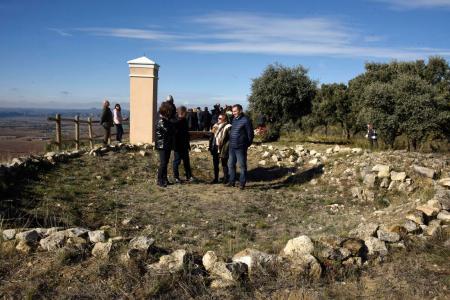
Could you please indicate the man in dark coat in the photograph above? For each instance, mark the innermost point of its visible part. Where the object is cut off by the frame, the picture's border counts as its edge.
(215, 114)
(190, 119)
(206, 119)
(241, 137)
(173, 116)
(106, 121)
(200, 119)
(182, 146)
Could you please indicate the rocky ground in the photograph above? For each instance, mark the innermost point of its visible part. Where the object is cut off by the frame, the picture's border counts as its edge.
(394, 205)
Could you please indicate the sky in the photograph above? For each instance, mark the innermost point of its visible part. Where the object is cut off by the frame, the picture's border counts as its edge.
(73, 54)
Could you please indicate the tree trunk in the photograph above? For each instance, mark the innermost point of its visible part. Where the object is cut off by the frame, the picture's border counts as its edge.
(414, 144)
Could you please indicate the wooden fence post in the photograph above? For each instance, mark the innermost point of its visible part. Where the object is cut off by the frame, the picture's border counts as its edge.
(91, 139)
(77, 132)
(58, 132)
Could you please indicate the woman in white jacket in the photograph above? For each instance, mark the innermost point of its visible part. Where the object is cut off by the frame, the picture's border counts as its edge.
(218, 146)
(118, 119)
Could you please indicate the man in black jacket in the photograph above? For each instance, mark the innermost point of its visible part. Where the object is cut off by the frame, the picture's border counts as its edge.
(182, 146)
(206, 119)
(200, 119)
(106, 121)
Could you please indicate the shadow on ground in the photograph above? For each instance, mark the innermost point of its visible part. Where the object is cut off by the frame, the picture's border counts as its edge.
(297, 178)
(268, 174)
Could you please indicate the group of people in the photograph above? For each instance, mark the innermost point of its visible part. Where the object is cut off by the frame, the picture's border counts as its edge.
(203, 120)
(110, 119)
(231, 135)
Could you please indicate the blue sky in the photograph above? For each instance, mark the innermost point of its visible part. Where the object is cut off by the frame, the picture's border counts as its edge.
(65, 54)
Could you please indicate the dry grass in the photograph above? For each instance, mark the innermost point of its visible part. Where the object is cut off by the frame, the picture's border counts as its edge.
(276, 206)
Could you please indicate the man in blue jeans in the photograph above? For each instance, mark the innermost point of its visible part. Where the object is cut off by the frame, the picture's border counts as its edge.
(241, 137)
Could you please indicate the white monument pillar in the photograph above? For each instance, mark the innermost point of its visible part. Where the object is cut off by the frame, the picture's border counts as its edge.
(143, 97)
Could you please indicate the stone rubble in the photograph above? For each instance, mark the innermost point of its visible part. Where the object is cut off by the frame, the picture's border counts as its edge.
(301, 255)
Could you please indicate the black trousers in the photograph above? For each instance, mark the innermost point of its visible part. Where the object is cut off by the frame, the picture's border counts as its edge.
(164, 157)
(373, 143)
(179, 156)
(107, 135)
(224, 162)
(119, 132)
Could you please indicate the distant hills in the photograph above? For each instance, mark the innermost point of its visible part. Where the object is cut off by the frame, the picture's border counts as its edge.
(45, 112)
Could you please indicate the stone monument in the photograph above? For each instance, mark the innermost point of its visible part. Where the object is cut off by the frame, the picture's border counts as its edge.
(143, 98)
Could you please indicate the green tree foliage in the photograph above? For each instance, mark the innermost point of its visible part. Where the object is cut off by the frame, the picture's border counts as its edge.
(410, 99)
(404, 98)
(283, 94)
(330, 106)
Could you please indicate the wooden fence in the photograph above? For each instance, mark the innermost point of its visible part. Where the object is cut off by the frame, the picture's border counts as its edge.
(77, 122)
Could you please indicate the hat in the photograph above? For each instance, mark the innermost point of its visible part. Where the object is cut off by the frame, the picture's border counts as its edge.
(169, 98)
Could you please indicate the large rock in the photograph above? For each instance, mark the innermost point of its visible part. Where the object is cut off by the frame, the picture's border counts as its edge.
(172, 263)
(357, 150)
(76, 232)
(141, 243)
(24, 247)
(398, 176)
(53, 230)
(275, 158)
(338, 254)
(445, 182)
(255, 259)
(102, 250)
(314, 161)
(423, 171)
(412, 227)
(54, 241)
(305, 265)
(444, 216)
(387, 236)
(375, 246)
(416, 216)
(353, 262)
(355, 246)
(431, 209)
(97, 236)
(443, 196)
(331, 241)
(265, 155)
(384, 183)
(433, 228)
(364, 230)
(370, 180)
(223, 274)
(357, 192)
(9, 234)
(29, 236)
(77, 243)
(383, 170)
(298, 246)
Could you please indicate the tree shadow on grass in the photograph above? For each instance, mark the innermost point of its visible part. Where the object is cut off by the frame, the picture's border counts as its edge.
(298, 178)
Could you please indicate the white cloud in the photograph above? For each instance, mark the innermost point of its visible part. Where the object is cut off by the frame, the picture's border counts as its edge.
(61, 32)
(130, 33)
(374, 38)
(269, 34)
(412, 4)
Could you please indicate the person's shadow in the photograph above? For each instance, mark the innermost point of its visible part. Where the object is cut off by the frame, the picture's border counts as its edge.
(262, 176)
(268, 174)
